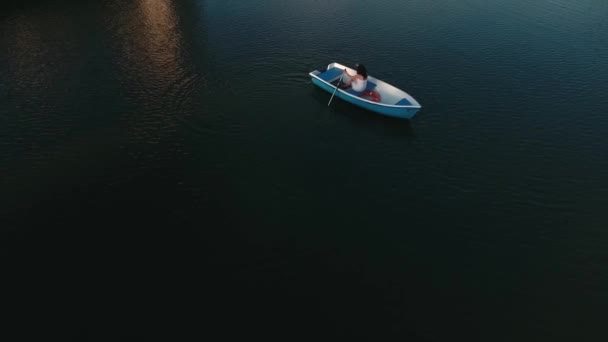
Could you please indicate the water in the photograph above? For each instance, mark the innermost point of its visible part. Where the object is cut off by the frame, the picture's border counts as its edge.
(168, 170)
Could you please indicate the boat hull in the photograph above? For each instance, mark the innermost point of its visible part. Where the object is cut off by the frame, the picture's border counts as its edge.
(397, 112)
(325, 80)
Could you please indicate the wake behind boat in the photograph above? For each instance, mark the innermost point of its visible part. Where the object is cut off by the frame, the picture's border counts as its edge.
(379, 97)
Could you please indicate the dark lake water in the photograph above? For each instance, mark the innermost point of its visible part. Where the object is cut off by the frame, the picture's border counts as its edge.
(167, 170)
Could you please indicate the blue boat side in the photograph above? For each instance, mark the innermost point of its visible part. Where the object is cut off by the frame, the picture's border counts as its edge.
(398, 110)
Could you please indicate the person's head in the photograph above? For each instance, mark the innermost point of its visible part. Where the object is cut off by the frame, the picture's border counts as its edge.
(361, 70)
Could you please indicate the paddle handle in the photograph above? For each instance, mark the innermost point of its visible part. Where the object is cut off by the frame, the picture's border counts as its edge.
(332, 95)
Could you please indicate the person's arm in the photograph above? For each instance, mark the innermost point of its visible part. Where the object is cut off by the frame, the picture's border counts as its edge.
(351, 76)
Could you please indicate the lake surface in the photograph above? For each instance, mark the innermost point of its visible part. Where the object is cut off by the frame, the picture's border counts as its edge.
(167, 170)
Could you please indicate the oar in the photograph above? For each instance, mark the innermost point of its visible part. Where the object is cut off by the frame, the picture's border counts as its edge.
(332, 95)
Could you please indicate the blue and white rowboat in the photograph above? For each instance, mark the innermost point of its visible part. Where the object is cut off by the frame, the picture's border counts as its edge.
(392, 101)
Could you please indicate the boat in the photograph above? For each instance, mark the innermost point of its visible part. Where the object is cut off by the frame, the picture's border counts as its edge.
(379, 97)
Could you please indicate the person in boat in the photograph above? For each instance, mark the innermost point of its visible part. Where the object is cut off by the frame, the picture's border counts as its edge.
(357, 81)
